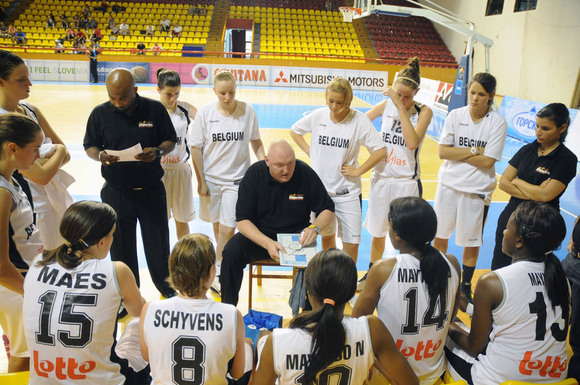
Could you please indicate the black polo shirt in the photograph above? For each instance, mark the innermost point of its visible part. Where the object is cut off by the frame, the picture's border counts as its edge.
(110, 129)
(560, 165)
(275, 207)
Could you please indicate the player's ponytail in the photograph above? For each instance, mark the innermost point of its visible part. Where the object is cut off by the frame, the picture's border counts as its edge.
(410, 75)
(330, 280)
(542, 230)
(83, 225)
(415, 222)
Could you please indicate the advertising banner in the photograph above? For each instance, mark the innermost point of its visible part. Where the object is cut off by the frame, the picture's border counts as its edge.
(520, 115)
(57, 70)
(140, 71)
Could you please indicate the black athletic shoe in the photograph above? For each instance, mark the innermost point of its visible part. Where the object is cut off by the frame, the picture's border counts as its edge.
(466, 291)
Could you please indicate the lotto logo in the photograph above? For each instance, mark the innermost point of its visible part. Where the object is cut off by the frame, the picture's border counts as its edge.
(424, 349)
(62, 369)
(552, 366)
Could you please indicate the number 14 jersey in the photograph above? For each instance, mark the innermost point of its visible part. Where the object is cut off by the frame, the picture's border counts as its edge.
(417, 323)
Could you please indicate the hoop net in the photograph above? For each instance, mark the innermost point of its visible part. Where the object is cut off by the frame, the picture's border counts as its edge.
(348, 13)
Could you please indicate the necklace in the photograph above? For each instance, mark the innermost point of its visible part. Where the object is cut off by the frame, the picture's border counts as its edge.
(547, 150)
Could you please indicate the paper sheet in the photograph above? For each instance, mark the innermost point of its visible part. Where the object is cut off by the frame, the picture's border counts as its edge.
(128, 154)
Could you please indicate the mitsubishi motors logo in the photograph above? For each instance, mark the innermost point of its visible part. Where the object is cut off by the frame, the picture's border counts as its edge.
(281, 78)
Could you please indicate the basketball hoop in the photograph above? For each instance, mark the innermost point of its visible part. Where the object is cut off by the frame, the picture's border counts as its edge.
(348, 13)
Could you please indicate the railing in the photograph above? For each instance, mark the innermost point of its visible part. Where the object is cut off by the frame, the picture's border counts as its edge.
(253, 55)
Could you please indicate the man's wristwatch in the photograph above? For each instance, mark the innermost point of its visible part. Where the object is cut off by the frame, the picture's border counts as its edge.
(160, 151)
(316, 228)
(474, 151)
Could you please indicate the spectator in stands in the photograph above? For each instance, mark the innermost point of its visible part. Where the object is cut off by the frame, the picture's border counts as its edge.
(4, 30)
(114, 29)
(141, 48)
(58, 47)
(63, 21)
(328, 5)
(70, 34)
(96, 36)
(111, 21)
(86, 11)
(92, 24)
(116, 8)
(150, 30)
(165, 24)
(76, 21)
(102, 7)
(124, 28)
(156, 49)
(176, 30)
(81, 37)
(50, 21)
(194, 10)
(19, 37)
(84, 21)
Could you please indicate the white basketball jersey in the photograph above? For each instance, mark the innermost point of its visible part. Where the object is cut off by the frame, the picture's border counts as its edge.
(224, 141)
(190, 340)
(459, 131)
(418, 326)
(334, 144)
(528, 339)
(291, 348)
(180, 154)
(69, 321)
(400, 161)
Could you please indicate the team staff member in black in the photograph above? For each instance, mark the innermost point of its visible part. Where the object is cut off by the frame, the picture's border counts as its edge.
(540, 171)
(134, 189)
(275, 196)
(92, 53)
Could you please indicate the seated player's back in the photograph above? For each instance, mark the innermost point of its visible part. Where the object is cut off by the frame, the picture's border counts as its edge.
(69, 320)
(190, 339)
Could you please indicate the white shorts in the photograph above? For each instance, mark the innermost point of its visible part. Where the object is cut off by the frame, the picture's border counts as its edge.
(220, 206)
(465, 212)
(382, 192)
(179, 191)
(12, 322)
(348, 217)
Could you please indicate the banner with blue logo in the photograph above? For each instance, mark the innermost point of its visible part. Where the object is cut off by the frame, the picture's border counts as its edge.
(520, 115)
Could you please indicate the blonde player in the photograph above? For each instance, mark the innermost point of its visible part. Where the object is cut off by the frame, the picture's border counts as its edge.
(190, 338)
(403, 128)
(338, 132)
(219, 138)
(415, 292)
(72, 296)
(471, 142)
(177, 177)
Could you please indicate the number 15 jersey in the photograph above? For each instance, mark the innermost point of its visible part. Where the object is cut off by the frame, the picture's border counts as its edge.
(69, 320)
(190, 340)
(418, 324)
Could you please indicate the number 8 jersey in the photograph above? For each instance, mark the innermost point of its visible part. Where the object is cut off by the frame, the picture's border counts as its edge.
(69, 320)
(190, 341)
(418, 325)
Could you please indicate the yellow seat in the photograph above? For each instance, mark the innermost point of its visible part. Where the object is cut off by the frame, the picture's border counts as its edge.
(569, 381)
(20, 378)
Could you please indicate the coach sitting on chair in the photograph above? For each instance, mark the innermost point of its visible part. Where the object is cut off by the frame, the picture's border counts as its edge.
(276, 195)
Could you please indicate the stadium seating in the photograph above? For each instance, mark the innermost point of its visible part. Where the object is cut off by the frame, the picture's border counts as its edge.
(138, 15)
